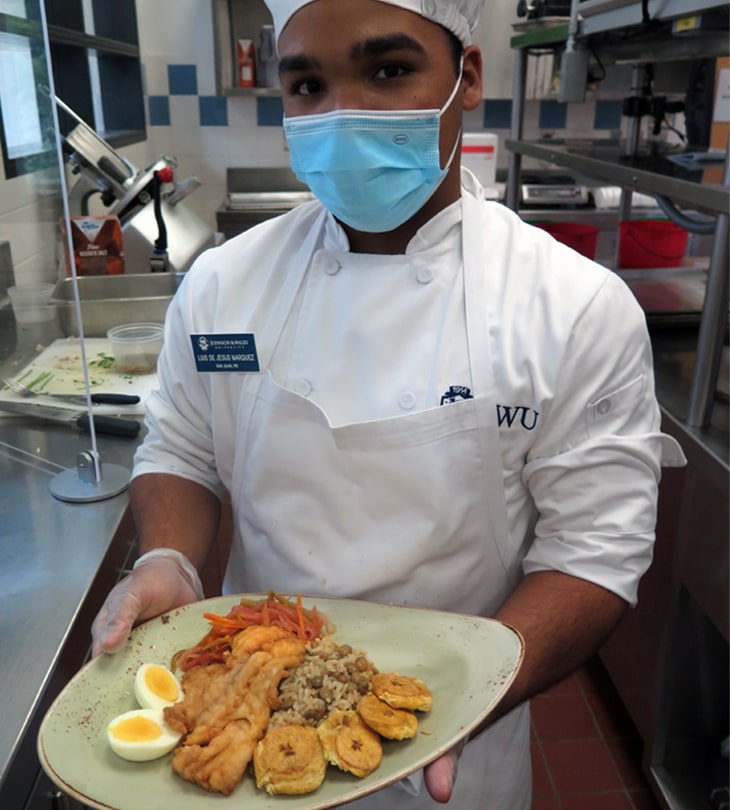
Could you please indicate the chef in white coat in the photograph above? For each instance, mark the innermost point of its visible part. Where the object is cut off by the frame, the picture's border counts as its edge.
(411, 395)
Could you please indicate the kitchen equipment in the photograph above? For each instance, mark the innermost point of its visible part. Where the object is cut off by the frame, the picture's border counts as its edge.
(255, 195)
(110, 425)
(267, 72)
(136, 346)
(108, 301)
(542, 9)
(549, 189)
(127, 192)
(23, 391)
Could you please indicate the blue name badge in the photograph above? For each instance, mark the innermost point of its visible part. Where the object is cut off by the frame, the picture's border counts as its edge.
(219, 352)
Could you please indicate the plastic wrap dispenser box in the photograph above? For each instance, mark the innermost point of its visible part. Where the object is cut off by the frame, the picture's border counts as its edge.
(479, 155)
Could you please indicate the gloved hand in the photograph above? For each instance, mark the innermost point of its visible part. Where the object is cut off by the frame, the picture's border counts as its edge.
(440, 775)
(161, 580)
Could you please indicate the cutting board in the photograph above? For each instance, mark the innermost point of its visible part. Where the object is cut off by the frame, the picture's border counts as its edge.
(58, 369)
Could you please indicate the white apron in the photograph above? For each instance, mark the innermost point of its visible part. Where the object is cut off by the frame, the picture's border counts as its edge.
(408, 509)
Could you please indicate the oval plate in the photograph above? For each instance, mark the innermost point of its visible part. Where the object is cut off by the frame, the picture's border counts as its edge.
(468, 663)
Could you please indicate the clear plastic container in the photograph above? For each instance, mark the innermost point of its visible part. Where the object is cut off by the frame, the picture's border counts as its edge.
(136, 347)
(32, 302)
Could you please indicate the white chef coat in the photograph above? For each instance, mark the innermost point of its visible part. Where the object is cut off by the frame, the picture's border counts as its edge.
(368, 338)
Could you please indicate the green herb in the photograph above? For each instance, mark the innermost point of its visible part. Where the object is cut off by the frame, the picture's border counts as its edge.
(41, 381)
(104, 360)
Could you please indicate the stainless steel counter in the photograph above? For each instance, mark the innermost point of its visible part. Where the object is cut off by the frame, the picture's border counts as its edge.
(57, 560)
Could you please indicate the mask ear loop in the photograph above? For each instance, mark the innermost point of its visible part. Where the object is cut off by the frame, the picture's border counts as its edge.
(446, 106)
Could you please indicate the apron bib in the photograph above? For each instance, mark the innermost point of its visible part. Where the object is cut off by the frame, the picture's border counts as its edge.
(408, 509)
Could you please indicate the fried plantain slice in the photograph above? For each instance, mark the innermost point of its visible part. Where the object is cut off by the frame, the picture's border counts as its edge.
(402, 691)
(359, 750)
(349, 744)
(393, 724)
(289, 759)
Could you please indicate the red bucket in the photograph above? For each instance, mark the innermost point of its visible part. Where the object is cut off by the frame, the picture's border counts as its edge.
(580, 237)
(650, 243)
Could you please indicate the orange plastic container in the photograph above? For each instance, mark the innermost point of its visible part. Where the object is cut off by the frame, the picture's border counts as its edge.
(650, 243)
(580, 237)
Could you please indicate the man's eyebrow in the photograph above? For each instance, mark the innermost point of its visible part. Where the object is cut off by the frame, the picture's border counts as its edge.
(376, 46)
(298, 63)
(373, 46)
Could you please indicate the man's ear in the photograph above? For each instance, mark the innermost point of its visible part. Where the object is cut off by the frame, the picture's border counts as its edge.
(471, 80)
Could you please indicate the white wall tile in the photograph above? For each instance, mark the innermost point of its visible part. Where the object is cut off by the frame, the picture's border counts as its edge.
(184, 130)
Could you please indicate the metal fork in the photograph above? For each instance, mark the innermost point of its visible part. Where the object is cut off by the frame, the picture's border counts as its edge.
(21, 390)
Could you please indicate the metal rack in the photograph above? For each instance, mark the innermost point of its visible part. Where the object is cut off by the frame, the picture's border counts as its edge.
(668, 657)
(633, 171)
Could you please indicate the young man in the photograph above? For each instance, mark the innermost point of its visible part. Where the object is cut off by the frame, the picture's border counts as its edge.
(446, 408)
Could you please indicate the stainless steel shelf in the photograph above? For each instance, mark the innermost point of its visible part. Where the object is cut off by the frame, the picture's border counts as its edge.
(649, 174)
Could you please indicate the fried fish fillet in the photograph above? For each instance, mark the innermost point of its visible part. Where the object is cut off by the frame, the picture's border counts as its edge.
(289, 760)
(226, 707)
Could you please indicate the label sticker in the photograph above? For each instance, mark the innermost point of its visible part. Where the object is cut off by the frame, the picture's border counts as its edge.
(218, 352)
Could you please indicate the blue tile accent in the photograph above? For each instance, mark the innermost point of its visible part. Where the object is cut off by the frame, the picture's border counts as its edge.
(183, 80)
(159, 109)
(607, 115)
(213, 111)
(553, 115)
(269, 111)
(497, 113)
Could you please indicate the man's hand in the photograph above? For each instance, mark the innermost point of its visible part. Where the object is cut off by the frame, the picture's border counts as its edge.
(161, 580)
(440, 775)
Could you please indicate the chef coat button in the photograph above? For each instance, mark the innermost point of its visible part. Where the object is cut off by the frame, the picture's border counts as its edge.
(407, 400)
(303, 387)
(424, 275)
(331, 266)
(604, 406)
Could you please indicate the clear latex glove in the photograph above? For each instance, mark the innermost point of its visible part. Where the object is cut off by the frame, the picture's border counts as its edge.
(440, 775)
(161, 580)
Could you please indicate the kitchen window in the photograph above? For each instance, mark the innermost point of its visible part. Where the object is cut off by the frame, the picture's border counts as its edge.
(96, 72)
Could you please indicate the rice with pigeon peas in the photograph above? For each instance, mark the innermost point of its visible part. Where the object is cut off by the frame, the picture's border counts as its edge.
(332, 676)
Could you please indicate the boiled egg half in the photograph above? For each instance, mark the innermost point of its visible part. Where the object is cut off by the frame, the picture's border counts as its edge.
(141, 735)
(155, 687)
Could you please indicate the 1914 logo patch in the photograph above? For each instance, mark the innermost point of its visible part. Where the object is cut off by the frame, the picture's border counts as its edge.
(456, 393)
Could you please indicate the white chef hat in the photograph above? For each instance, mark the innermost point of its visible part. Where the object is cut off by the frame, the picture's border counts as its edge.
(458, 16)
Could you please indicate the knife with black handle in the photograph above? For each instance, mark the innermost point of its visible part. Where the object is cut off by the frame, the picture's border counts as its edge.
(98, 399)
(110, 425)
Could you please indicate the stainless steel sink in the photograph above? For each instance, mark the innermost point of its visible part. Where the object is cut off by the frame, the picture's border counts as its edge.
(108, 301)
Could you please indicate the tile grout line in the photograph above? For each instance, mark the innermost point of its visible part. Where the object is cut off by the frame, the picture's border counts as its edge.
(537, 742)
(604, 741)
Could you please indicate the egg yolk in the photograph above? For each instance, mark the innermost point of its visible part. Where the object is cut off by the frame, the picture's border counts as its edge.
(136, 729)
(160, 683)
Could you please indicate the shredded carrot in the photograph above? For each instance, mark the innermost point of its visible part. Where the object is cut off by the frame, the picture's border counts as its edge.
(300, 617)
(274, 610)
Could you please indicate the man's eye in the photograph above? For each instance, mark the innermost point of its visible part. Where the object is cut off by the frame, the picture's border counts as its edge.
(307, 87)
(390, 72)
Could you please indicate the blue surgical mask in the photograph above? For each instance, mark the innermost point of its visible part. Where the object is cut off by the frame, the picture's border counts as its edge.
(373, 169)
